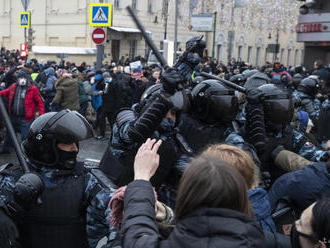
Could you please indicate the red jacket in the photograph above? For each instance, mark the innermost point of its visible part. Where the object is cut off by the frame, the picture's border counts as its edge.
(32, 101)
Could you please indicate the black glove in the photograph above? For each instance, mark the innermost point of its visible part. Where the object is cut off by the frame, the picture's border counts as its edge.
(8, 231)
(254, 96)
(27, 190)
(171, 80)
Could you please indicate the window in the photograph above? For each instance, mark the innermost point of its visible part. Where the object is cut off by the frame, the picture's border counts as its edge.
(296, 57)
(132, 49)
(240, 51)
(134, 4)
(258, 56)
(282, 55)
(219, 53)
(249, 54)
(302, 56)
(116, 4)
(289, 58)
(150, 7)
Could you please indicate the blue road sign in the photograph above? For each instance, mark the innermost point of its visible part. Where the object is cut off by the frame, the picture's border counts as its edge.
(24, 19)
(100, 14)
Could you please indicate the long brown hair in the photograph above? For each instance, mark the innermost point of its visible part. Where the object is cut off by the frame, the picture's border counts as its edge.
(210, 182)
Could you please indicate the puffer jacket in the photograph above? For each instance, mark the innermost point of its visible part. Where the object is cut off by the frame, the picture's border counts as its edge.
(32, 101)
(205, 227)
(67, 93)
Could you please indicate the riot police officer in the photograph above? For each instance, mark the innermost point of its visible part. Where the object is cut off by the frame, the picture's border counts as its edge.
(153, 117)
(269, 113)
(74, 206)
(190, 59)
(305, 97)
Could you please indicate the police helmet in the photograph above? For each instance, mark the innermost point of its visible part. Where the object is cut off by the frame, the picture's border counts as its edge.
(237, 79)
(50, 129)
(196, 44)
(213, 102)
(256, 80)
(277, 103)
(309, 85)
(296, 79)
(198, 80)
(151, 91)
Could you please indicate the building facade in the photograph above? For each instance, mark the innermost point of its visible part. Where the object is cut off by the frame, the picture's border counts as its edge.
(64, 23)
(313, 31)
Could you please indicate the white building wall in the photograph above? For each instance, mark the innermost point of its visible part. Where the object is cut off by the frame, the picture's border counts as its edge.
(65, 23)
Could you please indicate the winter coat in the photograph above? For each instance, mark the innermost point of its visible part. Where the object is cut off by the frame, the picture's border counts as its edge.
(83, 97)
(262, 209)
(96, 99)
(204, 227)
(67, 93)
(32, 101)
(9, 77)
(50, 83)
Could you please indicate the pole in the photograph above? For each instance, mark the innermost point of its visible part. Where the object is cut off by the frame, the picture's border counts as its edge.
(147, 38)
(231, 34)
(277, 45)
(214, 33)
(224, 81)
(25, 36)
(100, 52)
(176, 29)
(166, 18)
(13, 137)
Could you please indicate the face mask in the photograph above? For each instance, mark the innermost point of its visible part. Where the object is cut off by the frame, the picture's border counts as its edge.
(67, 160)
(22, 82)
(295, 243)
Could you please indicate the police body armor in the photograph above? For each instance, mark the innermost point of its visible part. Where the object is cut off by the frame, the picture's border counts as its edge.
(60, 221)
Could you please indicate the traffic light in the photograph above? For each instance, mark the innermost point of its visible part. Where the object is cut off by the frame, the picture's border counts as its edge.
(30, 38)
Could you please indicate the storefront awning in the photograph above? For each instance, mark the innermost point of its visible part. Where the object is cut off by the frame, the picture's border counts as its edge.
(127, 30)
(63, 50)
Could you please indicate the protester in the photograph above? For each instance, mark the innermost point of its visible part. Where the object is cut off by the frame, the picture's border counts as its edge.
(312, 230)
(67, 95)
(24, 100)
(210, 192)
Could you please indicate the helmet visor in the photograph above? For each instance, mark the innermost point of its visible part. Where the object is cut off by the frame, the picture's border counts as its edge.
(224, 108)
(69, 127)
(279, 111)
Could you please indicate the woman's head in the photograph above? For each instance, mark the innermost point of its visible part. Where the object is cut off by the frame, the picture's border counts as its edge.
(312, 230)
(235, 157)
(210, 182)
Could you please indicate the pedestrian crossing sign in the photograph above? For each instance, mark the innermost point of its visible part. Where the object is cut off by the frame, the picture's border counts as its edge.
(25, 19)
(100, 14)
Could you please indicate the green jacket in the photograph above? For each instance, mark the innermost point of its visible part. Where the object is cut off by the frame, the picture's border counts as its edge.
(83, 97)
(67, 93)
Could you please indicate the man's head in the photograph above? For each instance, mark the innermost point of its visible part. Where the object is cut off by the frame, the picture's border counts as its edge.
(312, 230)
(23, 78)
(54, 137)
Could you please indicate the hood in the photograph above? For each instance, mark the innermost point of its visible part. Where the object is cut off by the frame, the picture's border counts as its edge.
(66, 82)
(217, 226)
(50, 71)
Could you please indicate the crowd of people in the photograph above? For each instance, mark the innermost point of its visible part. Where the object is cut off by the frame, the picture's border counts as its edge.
(238, 160)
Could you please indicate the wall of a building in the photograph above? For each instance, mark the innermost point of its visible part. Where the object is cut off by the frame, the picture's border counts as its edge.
(65, 23)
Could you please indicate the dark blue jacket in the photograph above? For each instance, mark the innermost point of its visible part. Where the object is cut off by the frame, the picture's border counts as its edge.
(260, 202)
(303, 187)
